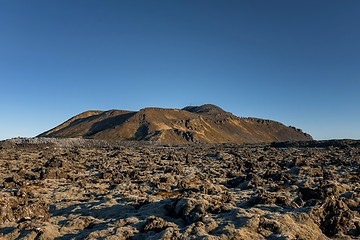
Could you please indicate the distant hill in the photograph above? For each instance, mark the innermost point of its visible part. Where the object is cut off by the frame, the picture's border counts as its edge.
(193, 124)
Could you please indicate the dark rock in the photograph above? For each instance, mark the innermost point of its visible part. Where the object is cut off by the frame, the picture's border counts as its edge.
(310, 193)
(54, 163)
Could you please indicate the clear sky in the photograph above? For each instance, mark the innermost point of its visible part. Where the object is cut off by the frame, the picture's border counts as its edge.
(296, 62)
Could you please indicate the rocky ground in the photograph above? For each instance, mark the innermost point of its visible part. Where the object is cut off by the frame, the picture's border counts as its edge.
(68, 189)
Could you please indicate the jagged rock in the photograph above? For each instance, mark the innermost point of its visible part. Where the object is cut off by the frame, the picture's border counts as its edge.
(335, 217)
(157, 224)
(54, 163)
(87, 189)
(80, 223)
(16, 208)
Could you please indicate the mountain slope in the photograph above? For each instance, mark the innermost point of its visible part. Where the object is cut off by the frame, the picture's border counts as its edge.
(193, 124)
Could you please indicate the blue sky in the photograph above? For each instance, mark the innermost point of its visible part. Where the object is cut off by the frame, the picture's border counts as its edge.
(297, 62)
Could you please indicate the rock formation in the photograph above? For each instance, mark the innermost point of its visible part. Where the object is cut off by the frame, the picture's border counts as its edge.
(91, 189)
(204, 124)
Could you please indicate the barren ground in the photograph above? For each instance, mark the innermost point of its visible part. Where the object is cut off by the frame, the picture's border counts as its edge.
(53, 190)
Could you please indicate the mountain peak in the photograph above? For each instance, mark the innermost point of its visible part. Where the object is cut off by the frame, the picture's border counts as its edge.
(206, 108)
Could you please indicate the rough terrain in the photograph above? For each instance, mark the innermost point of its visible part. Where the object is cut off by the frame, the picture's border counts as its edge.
(203, 124)
(82, 189)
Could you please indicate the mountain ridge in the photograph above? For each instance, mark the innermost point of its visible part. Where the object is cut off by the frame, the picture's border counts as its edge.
(207, 123)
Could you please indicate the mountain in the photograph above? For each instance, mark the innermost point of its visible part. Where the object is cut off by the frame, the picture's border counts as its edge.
(193, 124)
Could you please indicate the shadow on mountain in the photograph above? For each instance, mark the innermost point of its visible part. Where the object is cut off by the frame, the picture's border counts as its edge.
(109, 123)
(142, 132)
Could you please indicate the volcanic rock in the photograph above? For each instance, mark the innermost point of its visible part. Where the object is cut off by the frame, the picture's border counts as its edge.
(89, 189)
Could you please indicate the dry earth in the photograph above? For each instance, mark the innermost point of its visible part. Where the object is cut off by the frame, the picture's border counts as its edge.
(78, 189)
